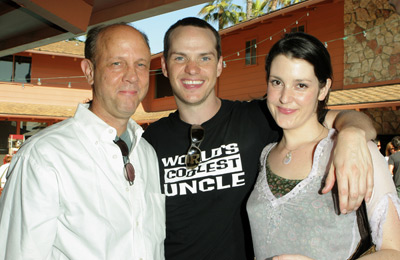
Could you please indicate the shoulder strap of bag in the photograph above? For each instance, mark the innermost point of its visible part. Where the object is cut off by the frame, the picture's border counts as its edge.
(362, 222)
(365, 232)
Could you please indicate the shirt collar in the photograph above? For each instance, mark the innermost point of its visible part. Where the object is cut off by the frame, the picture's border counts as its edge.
(97, 129)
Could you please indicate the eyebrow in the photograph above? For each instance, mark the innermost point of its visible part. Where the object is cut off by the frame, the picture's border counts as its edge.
(144, 59)
(125, 58)
(297, 80)
(302, 80)
(200, 54)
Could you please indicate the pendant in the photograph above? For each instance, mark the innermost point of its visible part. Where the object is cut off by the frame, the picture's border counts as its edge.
(288, 158)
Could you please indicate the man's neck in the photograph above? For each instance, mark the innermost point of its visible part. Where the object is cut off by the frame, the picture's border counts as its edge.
(199, 113)
(120, 124)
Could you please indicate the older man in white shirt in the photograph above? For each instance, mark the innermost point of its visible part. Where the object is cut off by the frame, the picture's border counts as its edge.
(88, 187)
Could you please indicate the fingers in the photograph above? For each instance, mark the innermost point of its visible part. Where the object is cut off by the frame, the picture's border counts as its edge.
(354, 172)
(352, 190)
(329, 181)
(343, 191)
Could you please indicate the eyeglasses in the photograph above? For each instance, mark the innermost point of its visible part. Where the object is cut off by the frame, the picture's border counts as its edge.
(129, 171)
(193, 156)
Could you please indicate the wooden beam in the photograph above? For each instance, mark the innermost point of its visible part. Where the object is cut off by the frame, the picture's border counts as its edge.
(18, 127)
(130, 11)
(395, 105)
(30, 118)
(71, 15)
(30, 40)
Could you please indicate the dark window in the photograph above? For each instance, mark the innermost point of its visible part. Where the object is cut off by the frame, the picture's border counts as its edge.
(163, 87)
(6, 68)
(22, 69)
(300, 28)
(15, 69)
(251, 57)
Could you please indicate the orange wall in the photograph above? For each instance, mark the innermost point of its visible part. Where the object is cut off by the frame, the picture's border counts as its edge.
(241, 82)
(151, 104)
(64, 68)
(51, 91)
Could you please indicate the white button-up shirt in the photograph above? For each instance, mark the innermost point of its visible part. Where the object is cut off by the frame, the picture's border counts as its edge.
(66, 196)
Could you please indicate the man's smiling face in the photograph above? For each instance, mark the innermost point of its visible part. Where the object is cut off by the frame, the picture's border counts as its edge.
(192, 65)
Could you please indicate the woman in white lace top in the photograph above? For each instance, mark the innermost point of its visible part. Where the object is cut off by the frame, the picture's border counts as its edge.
(289, 217)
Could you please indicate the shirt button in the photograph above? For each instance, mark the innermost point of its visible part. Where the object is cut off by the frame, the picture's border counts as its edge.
(110, 131)
(96, 143)
(127, 189)
(115, 156)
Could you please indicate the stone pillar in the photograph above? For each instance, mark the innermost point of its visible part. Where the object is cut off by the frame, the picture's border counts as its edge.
(372, 46)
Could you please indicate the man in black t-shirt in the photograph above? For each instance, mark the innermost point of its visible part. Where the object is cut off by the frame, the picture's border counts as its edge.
(394, 163)
(208, 170)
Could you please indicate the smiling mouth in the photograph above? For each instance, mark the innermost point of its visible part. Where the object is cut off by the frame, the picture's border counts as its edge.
(192, 82)
(128, 92)
(286, 110)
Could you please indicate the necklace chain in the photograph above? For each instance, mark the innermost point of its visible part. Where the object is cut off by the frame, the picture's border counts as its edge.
(288, 157)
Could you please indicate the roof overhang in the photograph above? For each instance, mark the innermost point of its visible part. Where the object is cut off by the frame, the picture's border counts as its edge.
(264, 18)
(26, 24)
(13, 111)
(356, 99)
(365, 98)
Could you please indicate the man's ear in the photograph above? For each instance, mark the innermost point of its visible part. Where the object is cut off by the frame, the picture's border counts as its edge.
(88, 70)
(220, 66)
(164, 66)
(325, 90)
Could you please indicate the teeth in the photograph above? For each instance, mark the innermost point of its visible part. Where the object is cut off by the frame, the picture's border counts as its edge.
(192, 82)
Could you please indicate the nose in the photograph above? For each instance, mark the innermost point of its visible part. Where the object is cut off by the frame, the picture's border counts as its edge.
(130, 74)
(192, 67)
(286, 95)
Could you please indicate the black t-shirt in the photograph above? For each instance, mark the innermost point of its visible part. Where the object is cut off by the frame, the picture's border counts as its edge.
(394, 159)
(205, 207)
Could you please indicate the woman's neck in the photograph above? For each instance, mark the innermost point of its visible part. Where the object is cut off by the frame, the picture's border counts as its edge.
(294, 138)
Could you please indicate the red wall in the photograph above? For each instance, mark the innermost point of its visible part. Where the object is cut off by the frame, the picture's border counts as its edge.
(64, 68)
(150, 103)
(241, 82)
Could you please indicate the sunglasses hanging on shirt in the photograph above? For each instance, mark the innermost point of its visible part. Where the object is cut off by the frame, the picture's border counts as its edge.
(193, 156)
(129, 170)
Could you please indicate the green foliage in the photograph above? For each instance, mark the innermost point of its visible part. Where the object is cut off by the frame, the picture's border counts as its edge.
(260, 7)
(273, 5)
(226, 13)
(223, 12)
(257, 7)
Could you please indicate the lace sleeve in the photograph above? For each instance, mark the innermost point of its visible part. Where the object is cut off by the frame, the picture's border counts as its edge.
(384, 190)
(379, 217)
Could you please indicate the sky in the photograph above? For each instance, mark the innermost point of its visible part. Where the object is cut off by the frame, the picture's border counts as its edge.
(155, 27)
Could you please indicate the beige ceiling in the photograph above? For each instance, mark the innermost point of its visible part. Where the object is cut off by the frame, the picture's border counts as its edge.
(26, 24)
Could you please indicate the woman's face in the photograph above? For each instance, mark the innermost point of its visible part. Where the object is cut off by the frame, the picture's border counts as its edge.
(293, 92)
